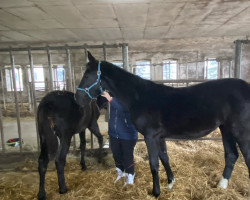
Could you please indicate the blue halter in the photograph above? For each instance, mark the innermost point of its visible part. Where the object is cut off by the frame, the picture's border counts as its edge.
(95, 83)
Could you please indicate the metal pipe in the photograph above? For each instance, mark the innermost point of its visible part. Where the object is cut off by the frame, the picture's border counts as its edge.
(85, 46)
(219, 71)
(230, 68)
(180, 81)
(125, 56)
(34, 94)
(20, 87)
(28, 88)
(50, 70)
(2, 81)
(194, 139)
(92, 140)
(104, 52)
(16, 101)
(238, 52)
(196, 68)
(2, 132)
(70, 87)
(86, 60)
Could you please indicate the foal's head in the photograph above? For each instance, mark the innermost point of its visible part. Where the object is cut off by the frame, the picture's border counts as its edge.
(90, 85)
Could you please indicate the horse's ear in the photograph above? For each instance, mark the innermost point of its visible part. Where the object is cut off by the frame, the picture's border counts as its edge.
(91, 58)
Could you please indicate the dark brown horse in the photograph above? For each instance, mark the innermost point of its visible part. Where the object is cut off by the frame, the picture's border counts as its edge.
(159, 112)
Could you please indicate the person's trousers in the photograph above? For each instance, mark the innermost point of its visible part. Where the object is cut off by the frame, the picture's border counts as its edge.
(123, 153)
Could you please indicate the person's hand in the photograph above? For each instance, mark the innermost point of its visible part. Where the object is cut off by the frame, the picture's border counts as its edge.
(107, 96)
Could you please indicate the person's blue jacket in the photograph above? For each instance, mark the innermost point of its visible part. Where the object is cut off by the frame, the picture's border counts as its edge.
(120, 125)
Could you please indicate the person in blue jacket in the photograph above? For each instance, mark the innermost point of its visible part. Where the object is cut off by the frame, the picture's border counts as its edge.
(123, 138)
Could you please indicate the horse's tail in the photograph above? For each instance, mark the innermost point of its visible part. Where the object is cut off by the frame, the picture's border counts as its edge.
(48, 139)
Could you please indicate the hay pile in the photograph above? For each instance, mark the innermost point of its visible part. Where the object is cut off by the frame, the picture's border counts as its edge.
(197, 166)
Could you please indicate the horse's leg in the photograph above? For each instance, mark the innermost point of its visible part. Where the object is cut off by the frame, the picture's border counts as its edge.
(83, 148)
(153, 144)
(244, 145)
(231, 155)
(42, 168)
(61, 160)
(94, 128)
(165, 162)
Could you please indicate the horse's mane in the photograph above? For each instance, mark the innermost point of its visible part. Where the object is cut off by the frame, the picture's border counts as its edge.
(131, 79)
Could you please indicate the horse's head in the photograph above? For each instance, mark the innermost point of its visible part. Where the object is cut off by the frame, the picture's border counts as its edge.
(90, 85)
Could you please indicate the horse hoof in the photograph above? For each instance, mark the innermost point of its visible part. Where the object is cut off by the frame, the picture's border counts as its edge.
(99, 160)
(156, 193)
(171, 184)
(41, 196)
(223, 183)
(84, 169)
(63, 191)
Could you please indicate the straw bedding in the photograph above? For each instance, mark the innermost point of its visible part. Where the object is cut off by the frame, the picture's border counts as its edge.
(197, 166)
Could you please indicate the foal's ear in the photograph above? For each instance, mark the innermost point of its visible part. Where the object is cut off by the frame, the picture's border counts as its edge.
(91, 58)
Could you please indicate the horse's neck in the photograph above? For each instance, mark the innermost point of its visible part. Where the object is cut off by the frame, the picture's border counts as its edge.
(122, 85)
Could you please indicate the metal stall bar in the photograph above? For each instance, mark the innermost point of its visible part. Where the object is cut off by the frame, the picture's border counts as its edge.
(91, 134)
(86, 60)
(125, 56)
(104, 52)
(1, 131)
(34, 94)
(20, 89)
(85, 46)
(2, 81)
(50, 70)
(70, 87)
(28, 89)
(230, 68)
(238, 51)
(16, 100)
(196, 72)
(219, 70)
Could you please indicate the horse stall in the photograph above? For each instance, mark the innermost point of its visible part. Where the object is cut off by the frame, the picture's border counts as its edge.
(197, 164)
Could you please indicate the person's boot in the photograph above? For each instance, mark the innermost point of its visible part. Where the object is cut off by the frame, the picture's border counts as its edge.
(120, 174)
(129, 178)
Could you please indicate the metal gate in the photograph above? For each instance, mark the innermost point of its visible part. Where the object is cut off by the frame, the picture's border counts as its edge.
(12, 87)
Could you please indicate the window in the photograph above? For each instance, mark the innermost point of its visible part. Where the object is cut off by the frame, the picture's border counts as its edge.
(38, 77)
(211, 68)
(59, 77)
(18, 76)
(169, 69)
(117, 63)
(143, 69)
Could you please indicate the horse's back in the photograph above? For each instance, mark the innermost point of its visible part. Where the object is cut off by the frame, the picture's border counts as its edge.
(60, 108)
(197, 110)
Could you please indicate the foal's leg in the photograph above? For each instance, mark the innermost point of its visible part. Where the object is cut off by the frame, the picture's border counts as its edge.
(231, 155)
(153, 144)
(61, 160)
(94, 128)
(83, 148)
(165, 161)
(42, 168)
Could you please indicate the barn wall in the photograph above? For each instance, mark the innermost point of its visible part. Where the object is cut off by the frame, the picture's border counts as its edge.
(183, 50)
